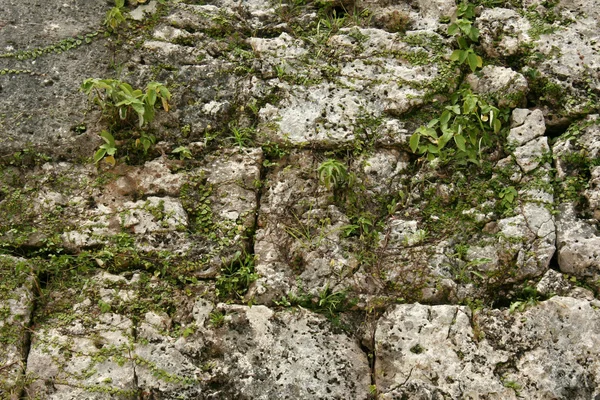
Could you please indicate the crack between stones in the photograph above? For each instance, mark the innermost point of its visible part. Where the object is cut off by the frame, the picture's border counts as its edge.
(137, 388)
(27, 339)
(369, 350)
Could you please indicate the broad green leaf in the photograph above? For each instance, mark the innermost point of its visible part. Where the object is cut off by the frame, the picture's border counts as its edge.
(470, 104)
(98, 155)
(151, 97)
(463, 56)
(432, 149)
(474, 34)
(454, 108)
(456, 55)
(433, 123)
(452, 29)
(474, 61)
(464, 25)
(445, 118)
(460, 142)
(108, 138)
(462, 43)
(164, 92)
(497, 125)
(445, 138)
(414, 142)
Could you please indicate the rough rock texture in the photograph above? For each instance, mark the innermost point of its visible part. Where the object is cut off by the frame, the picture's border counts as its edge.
(105, 346)
(16, 306)
(274, 232)
(548, 351)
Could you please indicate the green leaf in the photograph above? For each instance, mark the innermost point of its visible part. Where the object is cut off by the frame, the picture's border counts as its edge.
(456, 54)
(151, 97)
(460, 142)
(414, 142)
(433, 123)
(497, 125)
(108, 138)
(453, 28)
(98, 155)
(474, 34)
(474, 61)
(462, 43)
(448, 134)
(454, 108)
(470, 104)
(445, 118)
(432, 149)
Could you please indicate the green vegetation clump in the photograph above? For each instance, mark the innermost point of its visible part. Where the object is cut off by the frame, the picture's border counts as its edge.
(122, 105)
(469, 122)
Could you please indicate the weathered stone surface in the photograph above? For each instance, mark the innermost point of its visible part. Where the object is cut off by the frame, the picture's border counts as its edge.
(432, 351)
(120, 344)
(285, 158)
(399, 75)
(503, 32)
(526, 125)
(16, 306)
(504, 86)
(578, 243)
(77, 203)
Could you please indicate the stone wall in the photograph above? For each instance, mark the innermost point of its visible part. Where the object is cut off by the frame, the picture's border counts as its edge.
(279, 238)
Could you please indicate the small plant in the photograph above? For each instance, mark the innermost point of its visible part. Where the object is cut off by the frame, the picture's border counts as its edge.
(470, 36)
(236, 277)
(120, 101)
(334, 174)
(216, 318)
(507, 196)
(469, 122)
(241, 136)
(183, 152)
(527, 298)
(114, 16)
(145, 141)
(107, 150)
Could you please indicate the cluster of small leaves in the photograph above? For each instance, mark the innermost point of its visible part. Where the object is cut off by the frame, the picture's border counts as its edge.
(108, 149)
(327, 301)
(507, 196)
(236, 277)
(122, 103)
(120, 100)
(527, 298)
(468, 35)
(195, 197)
(115, 16)
(468, 121)
(62, 46)
(333, 174)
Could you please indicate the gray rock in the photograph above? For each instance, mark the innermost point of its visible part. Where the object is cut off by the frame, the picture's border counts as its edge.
(577, 243)
(529, 156)
(123, 345)
(503, 32)
(432, 351)
(503, 85)
(525, 126)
